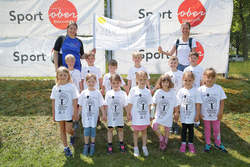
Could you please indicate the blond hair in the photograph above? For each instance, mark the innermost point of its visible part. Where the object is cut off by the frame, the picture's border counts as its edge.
(188, 74)
(115, 77)
(136, 54)
(142, 74)
(209, 72)
(70, 56)
(173, 58)
(164, 78)
(88, 54)
(65, 70)
(89, 76)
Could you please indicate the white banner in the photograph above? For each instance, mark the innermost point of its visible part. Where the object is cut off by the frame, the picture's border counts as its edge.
(210, 21)
(112, 34)
(29, 29)
(46, 17)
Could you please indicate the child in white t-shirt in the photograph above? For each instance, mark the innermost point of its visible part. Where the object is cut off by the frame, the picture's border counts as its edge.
(139, 101)
(91, 69)
(213, 98)
(137, 58)
(166, 102)
(190, 100)
(112, 66)
(64, 106)
(90, 101)
(76, 77)
(116, 100)
(176, 77)
(197, 71)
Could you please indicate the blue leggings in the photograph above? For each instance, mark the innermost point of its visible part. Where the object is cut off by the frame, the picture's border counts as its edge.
(90, 131)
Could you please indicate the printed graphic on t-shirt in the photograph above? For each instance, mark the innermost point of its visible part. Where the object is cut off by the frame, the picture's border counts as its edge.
(63, 100)
(90, 104)
(142, 104)
(163, 107)
(188, 105)
(211, 105)
(116, 107)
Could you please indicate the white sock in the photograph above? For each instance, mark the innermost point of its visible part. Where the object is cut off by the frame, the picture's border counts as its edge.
(65, 147)
(183, 143)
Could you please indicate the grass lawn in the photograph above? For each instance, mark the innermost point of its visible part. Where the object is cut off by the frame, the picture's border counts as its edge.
(28, 137)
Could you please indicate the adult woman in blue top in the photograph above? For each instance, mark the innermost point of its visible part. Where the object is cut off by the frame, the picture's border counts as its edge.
(183, 47)
(69, 45)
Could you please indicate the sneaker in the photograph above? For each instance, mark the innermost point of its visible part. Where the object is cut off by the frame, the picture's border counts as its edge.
(183, 148)
(86, 149)
(172, 129)
(67, 152)
(72, 140)
(76, 125)
(145, 151)
(92, 149)
(207, 148)
(191, 148)
(122, 148)
(110, 150)
(196, 126)
(176, 129)
(136, 152)
(221, 147)
(162, 144)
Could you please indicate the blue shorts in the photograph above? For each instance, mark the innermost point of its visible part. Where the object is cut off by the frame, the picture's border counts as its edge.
(181, 67)
(90, 131)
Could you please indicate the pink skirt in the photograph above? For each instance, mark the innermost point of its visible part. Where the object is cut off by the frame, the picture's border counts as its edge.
(139, 127)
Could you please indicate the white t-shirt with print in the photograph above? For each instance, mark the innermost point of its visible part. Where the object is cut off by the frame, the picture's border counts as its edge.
(106, 81)
(92, 70)
(183, 51)
(116, 101)
(90, 102)
(198, 73)
(64, 95)
(211, 98)
(188, 99)
(76, 77)
(140, 100)
(132, 74)
(165, 103)
(176, 78)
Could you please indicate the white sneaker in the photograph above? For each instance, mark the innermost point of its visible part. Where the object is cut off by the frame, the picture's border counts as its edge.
(136, 151)
(145, 151)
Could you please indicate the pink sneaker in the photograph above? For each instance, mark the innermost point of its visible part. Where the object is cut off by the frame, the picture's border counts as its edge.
(191, 148)
(183, 148)
(162, 143)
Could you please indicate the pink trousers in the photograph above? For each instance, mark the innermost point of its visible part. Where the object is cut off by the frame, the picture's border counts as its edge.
(216, 128)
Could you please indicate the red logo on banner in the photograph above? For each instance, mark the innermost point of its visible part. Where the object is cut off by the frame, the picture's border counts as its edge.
(192, 11)
(200, 50)
(61, 12)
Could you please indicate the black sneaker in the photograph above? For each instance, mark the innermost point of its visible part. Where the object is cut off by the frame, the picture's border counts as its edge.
(67, 152)
(207, 148)
(110, 149)
(122, 148)
(172, 129)
(221, 148)
(72, 140)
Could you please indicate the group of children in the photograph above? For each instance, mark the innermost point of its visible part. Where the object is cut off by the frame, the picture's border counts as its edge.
(77, 93)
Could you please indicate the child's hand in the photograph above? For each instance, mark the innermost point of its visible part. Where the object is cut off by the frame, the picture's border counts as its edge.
(151, 119)
(152, 91)
(128, 118)
(201, 116)
(219, 116)
(197, 118)
(102, 92)
(160, 49)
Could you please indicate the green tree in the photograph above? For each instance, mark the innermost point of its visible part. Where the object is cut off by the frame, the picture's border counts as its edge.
(240, 31)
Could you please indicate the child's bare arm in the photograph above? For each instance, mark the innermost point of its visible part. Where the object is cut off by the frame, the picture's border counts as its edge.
(176, 113)
(82, 88)
(222, 104)
(53, 109)
(75, 115)
(101, 86)
(198, 110)
(129, 85)
(128, 110)
(104, 113)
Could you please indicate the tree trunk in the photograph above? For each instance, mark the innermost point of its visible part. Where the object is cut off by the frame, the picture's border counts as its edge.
(244, 33)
